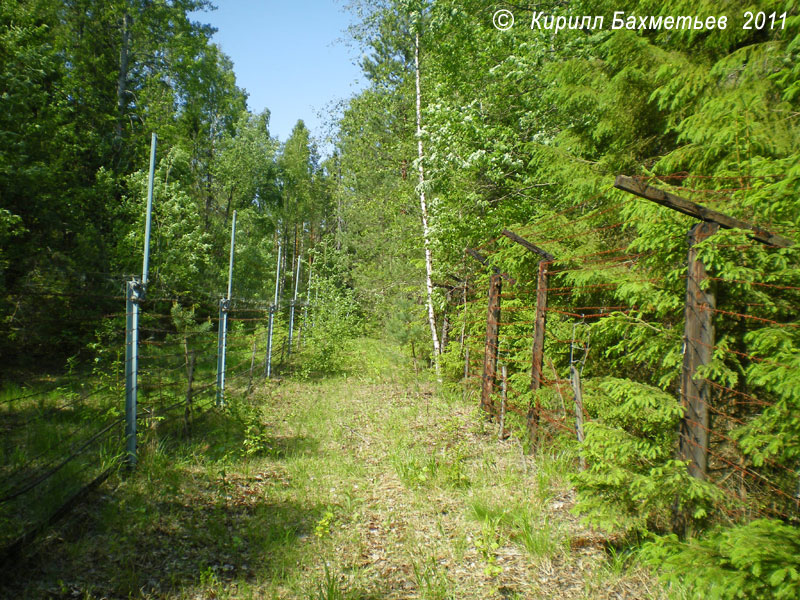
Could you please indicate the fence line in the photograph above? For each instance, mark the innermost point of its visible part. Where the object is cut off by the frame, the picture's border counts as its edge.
(611, 310)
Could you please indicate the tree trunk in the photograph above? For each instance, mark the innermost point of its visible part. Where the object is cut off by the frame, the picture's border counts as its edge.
(445, 322)
(424, 209)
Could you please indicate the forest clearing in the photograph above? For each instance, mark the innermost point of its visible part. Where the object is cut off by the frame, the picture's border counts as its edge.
(518, 317)
(368, 485)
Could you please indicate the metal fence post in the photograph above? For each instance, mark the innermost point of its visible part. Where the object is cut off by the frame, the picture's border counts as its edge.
(268, 366)
(222, 335)
(272, 309)
(132, 298)
(134, 294)
(146, 259)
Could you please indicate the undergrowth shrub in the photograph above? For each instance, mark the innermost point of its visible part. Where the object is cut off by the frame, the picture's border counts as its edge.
(632, 482)
(328, 327)
(407, 325)
(758, 560)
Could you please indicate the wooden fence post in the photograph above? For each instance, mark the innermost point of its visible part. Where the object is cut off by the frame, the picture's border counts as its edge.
(577, 390)
(492, 331)
(698, 339)
(187, 412)
(501, 433)
(492, 342)
(537, 351)
(466, 373)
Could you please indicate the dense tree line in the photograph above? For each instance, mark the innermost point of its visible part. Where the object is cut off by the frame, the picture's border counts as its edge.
(463, 130)
(84, 83)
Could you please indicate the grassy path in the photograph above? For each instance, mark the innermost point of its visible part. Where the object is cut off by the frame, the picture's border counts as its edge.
(364, 486)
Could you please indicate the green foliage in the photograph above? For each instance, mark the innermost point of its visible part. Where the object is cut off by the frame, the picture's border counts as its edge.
(522, 129)
(775, 433)
(84, 84)
(323, 527)
(330, 588)
(424, 467)
(406, 324)
(247, 415)
(632, 483)
(432, 580)
(332, 321)
(756, 560)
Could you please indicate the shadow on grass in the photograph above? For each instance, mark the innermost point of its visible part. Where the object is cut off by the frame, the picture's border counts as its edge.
(195, 515)
(144, 541)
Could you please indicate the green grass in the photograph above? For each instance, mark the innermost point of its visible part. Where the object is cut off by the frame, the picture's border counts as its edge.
(52, 418)
(524, 524)
(363, 485)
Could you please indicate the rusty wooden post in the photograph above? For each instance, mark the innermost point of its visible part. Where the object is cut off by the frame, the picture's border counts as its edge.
(698, 339)
(537, 351)
(492, 342)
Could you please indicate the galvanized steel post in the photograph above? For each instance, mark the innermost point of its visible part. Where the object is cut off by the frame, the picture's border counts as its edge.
(134, 294)
(272, 309)
(146, 259)
(230, 265)
(222, 335)
(221, 343)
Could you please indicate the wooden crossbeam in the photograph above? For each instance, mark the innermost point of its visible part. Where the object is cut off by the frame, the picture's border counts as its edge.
(526, 244)
(682, 205)
(485, 262)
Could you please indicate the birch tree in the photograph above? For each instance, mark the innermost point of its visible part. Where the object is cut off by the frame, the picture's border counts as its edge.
(423, 206)
(392, 31)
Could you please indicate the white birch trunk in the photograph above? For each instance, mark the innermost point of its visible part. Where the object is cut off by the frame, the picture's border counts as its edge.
(424, 209)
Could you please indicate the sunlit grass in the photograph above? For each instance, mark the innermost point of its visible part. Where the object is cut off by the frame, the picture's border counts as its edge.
(360, 486)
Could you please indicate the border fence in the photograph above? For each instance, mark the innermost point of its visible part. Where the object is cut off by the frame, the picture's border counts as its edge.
(160, 365)
(544, 319)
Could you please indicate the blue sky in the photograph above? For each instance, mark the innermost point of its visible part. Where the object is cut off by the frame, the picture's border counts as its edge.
(288, 55)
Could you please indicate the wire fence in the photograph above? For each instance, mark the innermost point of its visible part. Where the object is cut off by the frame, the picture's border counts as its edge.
(62, 435)
(615, 307)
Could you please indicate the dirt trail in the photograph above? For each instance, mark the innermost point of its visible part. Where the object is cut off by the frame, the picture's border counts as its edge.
(357, 487)
(438, 507)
